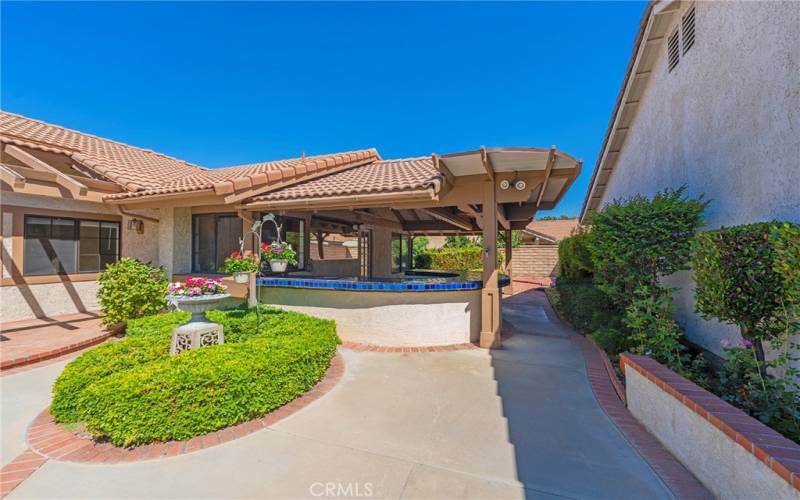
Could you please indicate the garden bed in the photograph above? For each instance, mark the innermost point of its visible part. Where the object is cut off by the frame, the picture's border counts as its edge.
(133, 392)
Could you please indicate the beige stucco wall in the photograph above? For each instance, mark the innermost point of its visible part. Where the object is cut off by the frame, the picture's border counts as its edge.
(723, 466)
(31, 301)
(726, 122)
(381, 252)
(175, 240)
(388, 318)
(335, 267)
(534, 260)
(144, 246)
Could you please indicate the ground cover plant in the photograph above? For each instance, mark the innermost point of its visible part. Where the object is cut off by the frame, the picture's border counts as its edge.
(133, 392)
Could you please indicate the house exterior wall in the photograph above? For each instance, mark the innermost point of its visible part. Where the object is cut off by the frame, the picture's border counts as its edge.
(725, 122)
(534, 260)
(175, 240)
(24, 297)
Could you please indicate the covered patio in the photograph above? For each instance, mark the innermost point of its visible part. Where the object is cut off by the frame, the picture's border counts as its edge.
(377, 207)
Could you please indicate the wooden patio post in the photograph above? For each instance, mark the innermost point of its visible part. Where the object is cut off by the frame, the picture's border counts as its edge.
(490, 294)
(410, 252)
(508, 262)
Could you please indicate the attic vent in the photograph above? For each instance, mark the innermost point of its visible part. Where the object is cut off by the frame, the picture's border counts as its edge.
(673, 50)
(688, 30)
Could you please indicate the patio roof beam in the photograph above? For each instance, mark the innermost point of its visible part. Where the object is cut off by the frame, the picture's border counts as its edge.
(501, 217)
(449, 217)
(473, 212)
(12, 178)
(436, 226)
(487, 162)
(441, 167)
(548, 169)
(62, 179)
(360, 217)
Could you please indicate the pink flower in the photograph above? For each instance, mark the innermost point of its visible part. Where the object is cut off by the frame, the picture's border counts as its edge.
(725, 343)
(743, 342)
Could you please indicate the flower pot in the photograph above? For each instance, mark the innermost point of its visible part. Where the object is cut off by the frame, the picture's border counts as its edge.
(278, 266)
(241, 277)
(198, 305)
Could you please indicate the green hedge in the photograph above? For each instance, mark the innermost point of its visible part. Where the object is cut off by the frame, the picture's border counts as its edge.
(468, 258)
(575, 256)
(134, 392)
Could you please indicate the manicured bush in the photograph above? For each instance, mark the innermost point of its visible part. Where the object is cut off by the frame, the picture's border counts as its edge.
(462, 259)
(585, 306)
(636, 241)
(575, 256)
(748, 275)
(134, 392)
(422, 260)
(131, 289)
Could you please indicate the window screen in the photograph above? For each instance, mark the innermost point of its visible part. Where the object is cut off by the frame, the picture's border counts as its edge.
(55, 245)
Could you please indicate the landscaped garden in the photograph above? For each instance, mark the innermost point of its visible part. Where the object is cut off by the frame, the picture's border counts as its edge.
(610, 288)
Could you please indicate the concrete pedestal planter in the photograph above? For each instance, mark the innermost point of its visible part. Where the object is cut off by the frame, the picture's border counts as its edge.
(198, 332)
(278, 265)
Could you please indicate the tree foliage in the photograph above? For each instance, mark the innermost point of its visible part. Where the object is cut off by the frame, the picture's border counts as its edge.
(637, 240)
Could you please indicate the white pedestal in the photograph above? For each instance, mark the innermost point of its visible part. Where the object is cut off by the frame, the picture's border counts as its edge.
(196, 334)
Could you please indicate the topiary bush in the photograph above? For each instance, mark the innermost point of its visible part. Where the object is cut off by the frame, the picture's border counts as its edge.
(575, 256)
(131, 289)
(133, 392)
(749, 276)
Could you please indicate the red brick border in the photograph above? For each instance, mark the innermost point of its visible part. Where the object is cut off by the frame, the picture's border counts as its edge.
(51, 440)
(365, 347)
(779, 453)
(53, 353)
(675, 476)
(18, 470)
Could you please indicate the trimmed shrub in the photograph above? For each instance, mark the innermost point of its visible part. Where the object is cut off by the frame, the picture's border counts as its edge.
(462, 259)
(131, 289)
(422, 260)
(575, 256)
(636, 241)
(133, 392)
(585, 306)
(748, 275)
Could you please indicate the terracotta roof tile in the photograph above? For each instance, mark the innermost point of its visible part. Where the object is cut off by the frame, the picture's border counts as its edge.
(145, 173)
(554, 230)
(382, 176)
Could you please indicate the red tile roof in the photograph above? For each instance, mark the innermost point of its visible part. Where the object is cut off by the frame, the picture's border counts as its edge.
(553, 230)
(382, 176)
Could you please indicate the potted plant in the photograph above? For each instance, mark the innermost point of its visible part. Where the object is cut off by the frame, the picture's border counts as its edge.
(279, 255)
(240, 265)
(197, 295)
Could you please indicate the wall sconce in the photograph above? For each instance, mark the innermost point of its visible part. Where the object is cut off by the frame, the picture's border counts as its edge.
(504, 184)
(520, 185)
(136, 225)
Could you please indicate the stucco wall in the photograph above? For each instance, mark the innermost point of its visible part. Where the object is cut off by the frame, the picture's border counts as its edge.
(723, 466)
(175, 240)
(335, 267)
(142, 246)
(381, 252)
(388, 318)
(726, 122)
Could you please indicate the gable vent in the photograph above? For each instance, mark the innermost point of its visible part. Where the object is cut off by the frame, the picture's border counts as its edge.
(673, 50)
(688, 30)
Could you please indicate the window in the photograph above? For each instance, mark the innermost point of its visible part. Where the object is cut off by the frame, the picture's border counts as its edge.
(57, 245)
(214, 237)
(292, 232)
(399, 253)
(688, 30)
(673, 50)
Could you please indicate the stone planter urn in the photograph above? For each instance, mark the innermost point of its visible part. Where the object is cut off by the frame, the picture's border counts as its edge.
(198, 332)
(278, 265)
(242, 277)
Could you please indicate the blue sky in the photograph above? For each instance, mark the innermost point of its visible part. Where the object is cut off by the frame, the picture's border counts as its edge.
(221, 84)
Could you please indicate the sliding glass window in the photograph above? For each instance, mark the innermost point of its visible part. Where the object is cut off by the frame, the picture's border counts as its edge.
(57, 245)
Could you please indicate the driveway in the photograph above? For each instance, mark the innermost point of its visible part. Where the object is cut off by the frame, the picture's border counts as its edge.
(517, 422)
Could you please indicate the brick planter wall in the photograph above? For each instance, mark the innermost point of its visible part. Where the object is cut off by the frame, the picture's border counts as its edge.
(731, 453)
(534, 260)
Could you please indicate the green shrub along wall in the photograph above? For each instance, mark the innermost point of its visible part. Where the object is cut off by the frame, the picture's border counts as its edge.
(133, 392)
(575, 256)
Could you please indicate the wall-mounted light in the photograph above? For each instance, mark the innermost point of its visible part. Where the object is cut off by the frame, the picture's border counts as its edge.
(520, 185)
(505, 184)
(136, 225)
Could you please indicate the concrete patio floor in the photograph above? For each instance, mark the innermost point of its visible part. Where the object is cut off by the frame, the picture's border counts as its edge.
(517, 422)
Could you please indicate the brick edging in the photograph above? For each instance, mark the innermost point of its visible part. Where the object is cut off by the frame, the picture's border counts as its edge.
(365, 347)
(54, 353)
(777, 452)
(18, 470)
(673, 474)
(51, 440)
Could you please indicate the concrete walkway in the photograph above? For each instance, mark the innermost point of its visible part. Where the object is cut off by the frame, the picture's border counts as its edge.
(517, 422)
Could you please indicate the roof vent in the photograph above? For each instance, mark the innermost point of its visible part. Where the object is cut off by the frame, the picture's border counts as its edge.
(688, 30)
(673, 50)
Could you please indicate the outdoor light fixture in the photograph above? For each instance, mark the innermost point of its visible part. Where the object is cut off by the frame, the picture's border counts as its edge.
(520, 185)
(136, 225)
(504, 184)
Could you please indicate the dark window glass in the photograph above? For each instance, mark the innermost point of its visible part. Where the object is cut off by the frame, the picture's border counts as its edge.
(399, 253)
(291, 232)
(55, 245)
(214, 237)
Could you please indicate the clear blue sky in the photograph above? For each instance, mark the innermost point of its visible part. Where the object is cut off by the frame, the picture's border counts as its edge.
(221, 84)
